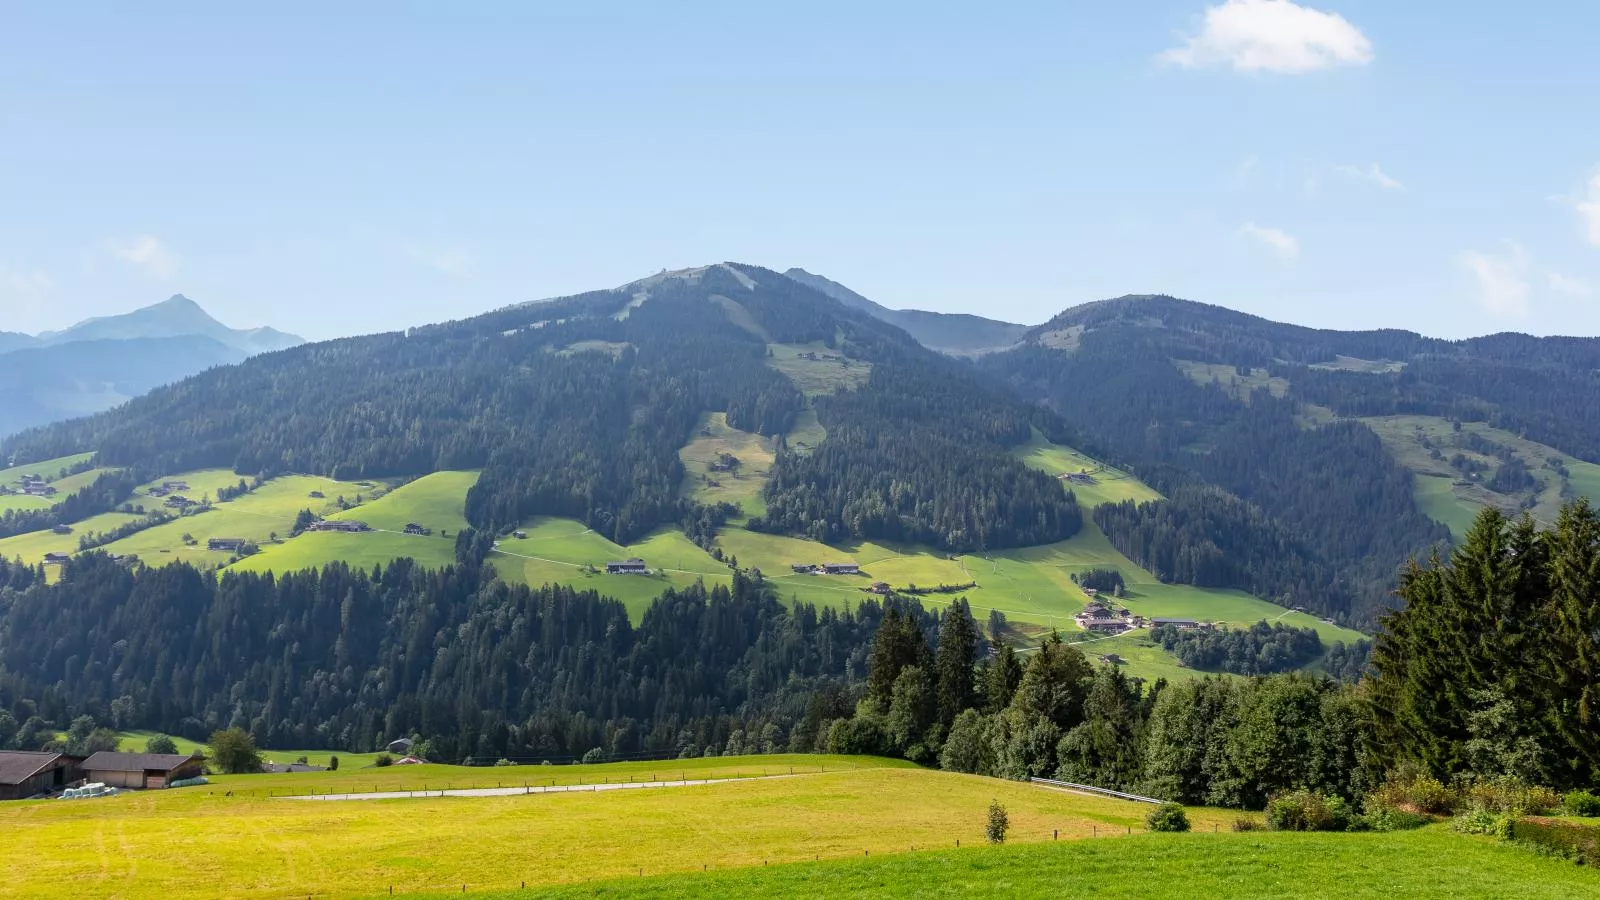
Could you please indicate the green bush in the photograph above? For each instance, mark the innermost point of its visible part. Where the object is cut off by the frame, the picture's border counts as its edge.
(999, 823)
(1245, 823)
(1167, 817)
(1512, 795)
(1484, 821)
(383, 759)
(1581, 803)
(1578, 842)
(1416, 793)
(1383, 818)
(1306, 811)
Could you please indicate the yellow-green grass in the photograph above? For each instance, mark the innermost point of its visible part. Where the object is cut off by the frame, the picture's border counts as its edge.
(195, 841)
(1111, 485)
(256, 516)
(1365, 366)
(436, 501)
(828, 372)
(202, 484)
(136, 741)
(807, 432)
(32, 547)
(66, 487)
(1430, 862)
(49, 469)
(714, 437)
(24, 502)
(1237, 386)
(611, 348)
(565, 551)
(1445, 497)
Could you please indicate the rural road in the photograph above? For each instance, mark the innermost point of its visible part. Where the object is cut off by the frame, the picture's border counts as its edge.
(516, 791)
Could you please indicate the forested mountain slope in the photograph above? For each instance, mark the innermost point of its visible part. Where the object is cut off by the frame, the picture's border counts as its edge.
(578, 406)
(1252, 430)
(958, 334)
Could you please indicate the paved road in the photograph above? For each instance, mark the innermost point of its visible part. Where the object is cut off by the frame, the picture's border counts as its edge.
(516, 791)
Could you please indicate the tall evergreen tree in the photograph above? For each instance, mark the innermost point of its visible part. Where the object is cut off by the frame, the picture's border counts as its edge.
(897, 644)
(954, 662)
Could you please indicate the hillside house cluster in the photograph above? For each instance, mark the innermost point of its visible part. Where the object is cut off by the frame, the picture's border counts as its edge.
(1083, 478)
(230, 545)
(416, 528)
(168, 487)
(627, 567)
(348, 526)
(1181, 624)
(825, 568)
(179, 502)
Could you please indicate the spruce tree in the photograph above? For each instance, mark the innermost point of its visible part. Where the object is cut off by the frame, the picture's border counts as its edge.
(954, 660)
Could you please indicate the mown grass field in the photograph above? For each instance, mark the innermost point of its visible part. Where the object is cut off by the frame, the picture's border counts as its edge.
(135, 742)
(714, 437)
(200, 842)
(1111, 485)
(1427, 863)
(1237, 386)
(32, 547)
(827, 372)
(437, 501)
(47, 468)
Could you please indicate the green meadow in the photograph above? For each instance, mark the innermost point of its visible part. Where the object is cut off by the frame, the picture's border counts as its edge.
(1111, 485)
(818, 369)
(713, 438)
(239, 832)
(1225, 376)
(49, 469)
(1427, 863)
(31, 547)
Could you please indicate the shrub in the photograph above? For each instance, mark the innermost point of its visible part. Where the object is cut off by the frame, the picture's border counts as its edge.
(999, 823)
(1168, 817)
(1386, 818)
(383, 759)
(1581, 803)
(1483, 821)
(1512, 795)
(1306, 811)
(502, 761)
(597, 755)
(1245, 823)
(161, 744)
(1416, 793)
(1578, 842)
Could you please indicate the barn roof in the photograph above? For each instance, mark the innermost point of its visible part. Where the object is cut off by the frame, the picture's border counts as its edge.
(107, 761)
(17, 766)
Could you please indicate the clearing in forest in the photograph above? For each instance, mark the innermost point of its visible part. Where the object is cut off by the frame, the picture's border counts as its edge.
(722, 464)
(817, 369)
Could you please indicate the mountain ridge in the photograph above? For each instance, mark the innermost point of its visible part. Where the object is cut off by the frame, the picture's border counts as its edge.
(955, 334)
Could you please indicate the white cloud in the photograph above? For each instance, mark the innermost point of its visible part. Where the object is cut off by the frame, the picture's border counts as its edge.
(1503, 287)
(1373, 174)
(1588, 207)
(23, 295)
(1272, 36)
(1283, 243)
(451, 260)
(1572, 287)
(145, 252)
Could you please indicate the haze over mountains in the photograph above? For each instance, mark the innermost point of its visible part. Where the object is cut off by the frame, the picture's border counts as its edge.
(104, 361)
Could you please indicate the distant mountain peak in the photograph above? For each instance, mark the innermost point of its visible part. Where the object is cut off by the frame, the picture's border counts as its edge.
(176, 316)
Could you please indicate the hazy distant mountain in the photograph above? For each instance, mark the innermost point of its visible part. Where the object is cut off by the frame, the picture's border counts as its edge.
(176, 317)
(102, 362)
(956, 334)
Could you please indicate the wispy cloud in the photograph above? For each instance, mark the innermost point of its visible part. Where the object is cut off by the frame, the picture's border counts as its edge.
(23, 293)
(448, 259)
(1588, 206)
(1271, 36)
(1502, 279)
(1373, 174)
(1572, 287)
(1280, 241)
(147, 253)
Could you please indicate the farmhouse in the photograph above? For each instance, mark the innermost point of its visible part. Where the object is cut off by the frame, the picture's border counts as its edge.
(414, 528)
(627, 567)
(841, 569)
(802, 568)
(232, 545)
(179, 502)
(401, 746)
(520, 535)
(317, 495)
(56, 559)
(142, 770)
(171, 486)
(61, 529)
(159, 492)
(880, 587)
(35, 489)
(1102, 624)
(24, 774)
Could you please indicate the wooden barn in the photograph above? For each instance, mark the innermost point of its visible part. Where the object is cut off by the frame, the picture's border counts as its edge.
(25, 774)
(142, 770)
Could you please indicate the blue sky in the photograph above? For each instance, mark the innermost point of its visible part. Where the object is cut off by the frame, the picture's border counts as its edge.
(333, 169)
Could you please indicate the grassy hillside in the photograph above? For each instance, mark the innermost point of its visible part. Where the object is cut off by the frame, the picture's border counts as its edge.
(817, 369)
(1427, 863)
(1110, 485)
(1448, 496)
(49, 470)
(713, 438)
(437, 501)
(261, 846)
(1227, 377)
(31, 548)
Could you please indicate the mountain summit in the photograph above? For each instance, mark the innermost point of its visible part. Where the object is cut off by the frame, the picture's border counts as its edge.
(177, 316)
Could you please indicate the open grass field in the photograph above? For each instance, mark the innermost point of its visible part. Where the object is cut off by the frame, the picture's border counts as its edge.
(1427, 863)
(714, 437)
(257, 516)
(1444, 496)
(1111, 485)
(32, 547)
(816, 369)
(807, 432)
(49, 469)
(200, 842)
(437, 501)
(1239, 387)
(1364, 366)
